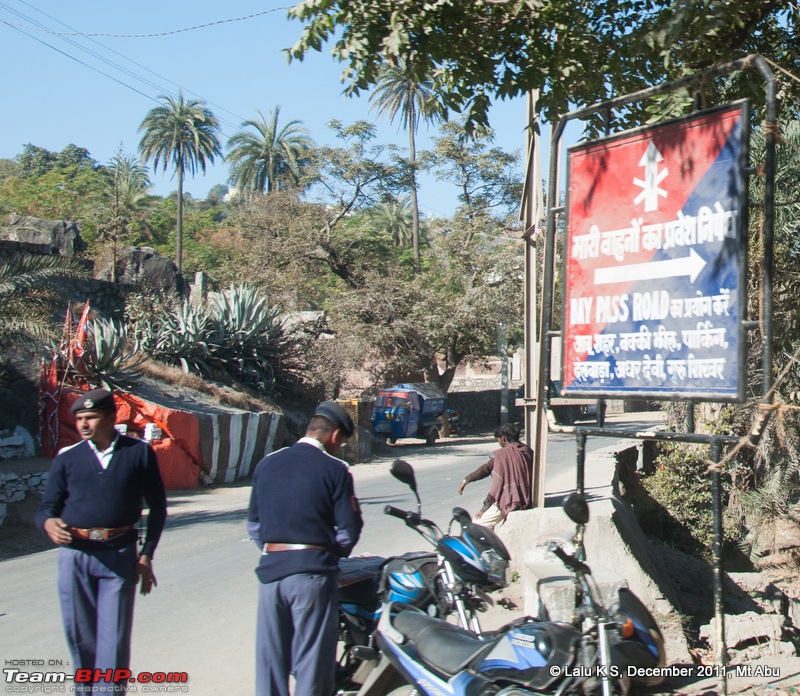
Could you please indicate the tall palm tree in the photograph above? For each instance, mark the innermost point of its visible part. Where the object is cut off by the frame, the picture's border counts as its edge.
(269, 159)
(398, 92)
(182, 133)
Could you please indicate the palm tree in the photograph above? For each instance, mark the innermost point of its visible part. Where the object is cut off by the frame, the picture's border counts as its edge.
(29, 292)
(396, 218)
(397, 91)
(269, 159)
(182, 133)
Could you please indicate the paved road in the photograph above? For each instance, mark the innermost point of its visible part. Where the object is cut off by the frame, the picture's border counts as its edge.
(200, 619)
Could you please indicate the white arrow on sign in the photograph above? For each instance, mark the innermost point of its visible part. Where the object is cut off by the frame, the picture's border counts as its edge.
(671, 268)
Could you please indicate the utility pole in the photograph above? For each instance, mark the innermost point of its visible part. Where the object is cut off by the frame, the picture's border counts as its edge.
(532, 212)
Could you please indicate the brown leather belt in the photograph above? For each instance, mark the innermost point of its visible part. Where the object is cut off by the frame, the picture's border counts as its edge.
(99, 533)
(270, 547)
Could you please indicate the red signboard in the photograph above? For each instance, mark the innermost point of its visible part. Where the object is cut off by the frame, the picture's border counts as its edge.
(655, 261)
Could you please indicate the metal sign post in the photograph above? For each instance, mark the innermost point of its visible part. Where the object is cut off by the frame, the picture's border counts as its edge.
(656, 271)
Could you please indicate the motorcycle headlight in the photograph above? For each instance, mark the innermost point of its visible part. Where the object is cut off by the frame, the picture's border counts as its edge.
(496, 567)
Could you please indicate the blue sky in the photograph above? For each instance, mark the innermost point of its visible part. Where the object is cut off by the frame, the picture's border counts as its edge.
(237, 67)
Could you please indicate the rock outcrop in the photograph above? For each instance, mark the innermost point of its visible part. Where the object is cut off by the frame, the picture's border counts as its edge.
(60, 237)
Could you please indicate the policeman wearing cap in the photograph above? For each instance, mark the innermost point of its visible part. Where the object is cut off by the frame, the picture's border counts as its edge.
(90, 507)
(305, 516)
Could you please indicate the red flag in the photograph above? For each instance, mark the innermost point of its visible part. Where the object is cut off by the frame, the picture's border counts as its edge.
(77, 346)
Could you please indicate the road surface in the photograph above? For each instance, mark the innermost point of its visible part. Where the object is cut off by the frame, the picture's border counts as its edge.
(200, 620)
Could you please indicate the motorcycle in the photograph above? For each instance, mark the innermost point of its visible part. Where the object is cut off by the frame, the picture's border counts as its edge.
(458, 426)
(467, 563)
(599, 650)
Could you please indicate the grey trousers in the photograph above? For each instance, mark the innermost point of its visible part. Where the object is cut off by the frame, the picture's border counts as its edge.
(97, 591)
(296, 633)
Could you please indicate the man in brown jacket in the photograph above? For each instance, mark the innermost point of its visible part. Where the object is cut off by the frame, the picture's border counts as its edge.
(512, 471)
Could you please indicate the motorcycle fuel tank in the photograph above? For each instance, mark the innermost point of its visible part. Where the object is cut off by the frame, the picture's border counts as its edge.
(525, 654)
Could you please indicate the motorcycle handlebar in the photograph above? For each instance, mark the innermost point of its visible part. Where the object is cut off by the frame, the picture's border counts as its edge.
(412, 519)
(569, 560)
(396, 512)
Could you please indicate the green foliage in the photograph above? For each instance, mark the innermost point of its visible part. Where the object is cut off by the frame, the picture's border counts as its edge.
(65, 193)
(8, 168)
(398, 92)
(488, 179)
(574, 53)
(179, 335)
(29, 293)
(271, 158)
(36, 161)
(395, 218)
(125, 203)
(108, 352)
(237, 335)
(180, 133)
(681, 491)
(775, 499)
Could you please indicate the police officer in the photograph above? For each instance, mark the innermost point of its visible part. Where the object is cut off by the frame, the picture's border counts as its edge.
(90, 507)
(305, 515)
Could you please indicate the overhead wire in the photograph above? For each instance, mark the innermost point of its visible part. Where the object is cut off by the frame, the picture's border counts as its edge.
(112, 63)
(81, 48)
(75, 32)
(77, 60)
(143, 67)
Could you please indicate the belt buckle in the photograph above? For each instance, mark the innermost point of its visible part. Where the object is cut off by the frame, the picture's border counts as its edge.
(97, 534)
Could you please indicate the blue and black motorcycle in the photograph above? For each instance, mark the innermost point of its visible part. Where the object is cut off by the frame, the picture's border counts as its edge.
(600, 651)
(466, 563)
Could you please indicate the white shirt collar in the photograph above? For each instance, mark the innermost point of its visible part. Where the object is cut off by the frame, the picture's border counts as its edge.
(311, 441)
(104, 456)
(316, 443)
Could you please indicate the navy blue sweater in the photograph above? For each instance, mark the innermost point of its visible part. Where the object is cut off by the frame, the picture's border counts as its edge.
(84, 495)
(302, 495)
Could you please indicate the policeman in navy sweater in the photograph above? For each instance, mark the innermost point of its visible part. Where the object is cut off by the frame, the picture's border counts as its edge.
(305, 515)
(90, 507)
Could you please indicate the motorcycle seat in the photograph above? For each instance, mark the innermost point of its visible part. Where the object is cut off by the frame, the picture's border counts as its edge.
(446, 648)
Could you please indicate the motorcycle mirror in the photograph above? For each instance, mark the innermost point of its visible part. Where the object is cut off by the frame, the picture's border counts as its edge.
(404, 472)
(576, 508)
(461, 515)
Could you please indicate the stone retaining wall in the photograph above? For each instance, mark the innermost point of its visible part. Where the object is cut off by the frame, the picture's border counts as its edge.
(16, 487)
(480, 410)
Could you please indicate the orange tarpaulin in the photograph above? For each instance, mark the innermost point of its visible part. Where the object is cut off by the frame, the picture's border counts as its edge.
(178, 451)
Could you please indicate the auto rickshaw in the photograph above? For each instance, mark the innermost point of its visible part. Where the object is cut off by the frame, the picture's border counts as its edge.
(408, 410)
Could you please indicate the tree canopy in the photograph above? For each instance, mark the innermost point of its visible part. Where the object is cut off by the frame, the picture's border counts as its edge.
(575, 53)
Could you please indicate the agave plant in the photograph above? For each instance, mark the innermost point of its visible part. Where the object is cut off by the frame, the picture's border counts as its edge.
(182, 336)
(109, 350)
(237, 334)
(253, 336)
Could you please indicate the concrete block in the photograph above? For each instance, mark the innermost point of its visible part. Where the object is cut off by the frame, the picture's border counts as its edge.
(550, 589)
(612, 535)
(758, 591)
(742, 629)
